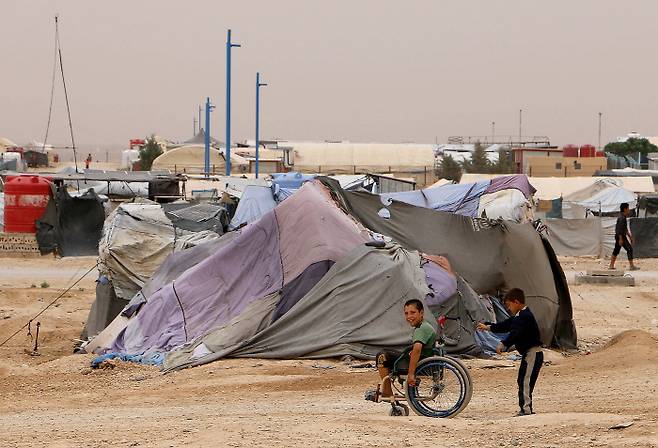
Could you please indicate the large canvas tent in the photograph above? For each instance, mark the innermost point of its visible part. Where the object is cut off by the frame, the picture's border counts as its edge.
(300, 282)
(602, 197)
(190, 159)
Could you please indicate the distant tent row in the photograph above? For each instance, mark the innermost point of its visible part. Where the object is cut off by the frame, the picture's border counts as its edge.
(299, 282)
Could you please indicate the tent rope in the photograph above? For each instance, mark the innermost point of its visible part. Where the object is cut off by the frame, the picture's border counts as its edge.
(173, 286)
(27, 324)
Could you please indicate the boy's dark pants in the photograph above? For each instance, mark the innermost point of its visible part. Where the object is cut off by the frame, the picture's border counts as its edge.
(528, 372)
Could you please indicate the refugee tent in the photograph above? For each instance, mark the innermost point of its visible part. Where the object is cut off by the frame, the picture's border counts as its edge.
(191, 159)
(137, 238)
(299, 282)
(505, 197)
(492, 256)
(602, 197)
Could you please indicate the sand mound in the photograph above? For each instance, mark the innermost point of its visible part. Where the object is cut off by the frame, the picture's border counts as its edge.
(634, 349)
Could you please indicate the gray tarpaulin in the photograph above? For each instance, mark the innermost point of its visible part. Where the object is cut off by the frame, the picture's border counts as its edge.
(575, 237)
(645, 233)
(356, 309)
(491, 255)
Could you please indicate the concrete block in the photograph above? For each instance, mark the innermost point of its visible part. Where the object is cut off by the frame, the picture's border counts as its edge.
(607, 272)
(627, 280)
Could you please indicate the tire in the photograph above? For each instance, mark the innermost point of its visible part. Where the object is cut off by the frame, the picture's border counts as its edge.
(443, 388)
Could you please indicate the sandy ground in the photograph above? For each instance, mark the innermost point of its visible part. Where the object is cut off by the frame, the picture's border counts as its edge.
(56, 400)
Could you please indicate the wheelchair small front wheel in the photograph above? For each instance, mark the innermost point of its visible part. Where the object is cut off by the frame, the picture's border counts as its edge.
(399, 410)
(443, 388)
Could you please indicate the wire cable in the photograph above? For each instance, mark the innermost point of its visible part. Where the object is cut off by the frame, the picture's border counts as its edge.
(49, 305)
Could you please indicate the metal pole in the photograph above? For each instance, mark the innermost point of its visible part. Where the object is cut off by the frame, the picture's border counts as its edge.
(600, 131)
(258, 86)
(229, 46)
(199, 119)
(493, 132)
(520, 125)
(194, 127)
(206, 158)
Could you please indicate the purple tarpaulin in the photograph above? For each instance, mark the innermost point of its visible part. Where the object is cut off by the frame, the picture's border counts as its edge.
(517, 181)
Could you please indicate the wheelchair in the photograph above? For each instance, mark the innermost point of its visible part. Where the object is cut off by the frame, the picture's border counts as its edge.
(443, 384)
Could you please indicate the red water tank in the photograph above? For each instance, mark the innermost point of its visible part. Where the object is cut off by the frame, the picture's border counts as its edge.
(26, 198)
(570, 151)
(587, 151)
(600, 153)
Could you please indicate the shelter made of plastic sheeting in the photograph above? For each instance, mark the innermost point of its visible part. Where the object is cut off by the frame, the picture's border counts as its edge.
(137, 238)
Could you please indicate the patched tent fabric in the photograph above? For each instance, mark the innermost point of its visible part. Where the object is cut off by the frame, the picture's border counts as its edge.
(261, 259)
(492, 256)
(329, 320)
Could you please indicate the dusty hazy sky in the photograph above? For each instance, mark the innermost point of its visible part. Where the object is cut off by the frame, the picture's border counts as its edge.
(381, 70)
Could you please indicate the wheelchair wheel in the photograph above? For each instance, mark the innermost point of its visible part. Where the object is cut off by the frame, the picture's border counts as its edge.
(399, 410)
(443, 388)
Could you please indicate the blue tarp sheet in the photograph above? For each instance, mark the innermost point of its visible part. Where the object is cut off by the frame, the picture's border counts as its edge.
(255, 202)
(461, 199)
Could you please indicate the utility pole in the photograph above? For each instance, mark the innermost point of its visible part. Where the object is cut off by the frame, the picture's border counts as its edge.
(600, 130)
(493, 132)
(520, 125)
(209, 108)
(258, 86)
(194, 127)
(229, 47)
(199, 119)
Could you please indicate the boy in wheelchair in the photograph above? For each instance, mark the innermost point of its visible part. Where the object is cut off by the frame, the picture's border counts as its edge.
(423, 340)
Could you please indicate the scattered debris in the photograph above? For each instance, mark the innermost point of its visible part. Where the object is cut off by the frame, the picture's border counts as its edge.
(622, 425)
(497, 366)
(365, 365)
(326, 367)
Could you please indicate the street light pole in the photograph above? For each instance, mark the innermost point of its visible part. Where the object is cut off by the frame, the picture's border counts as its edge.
(206, 158)
(493, 132)
(520, 125)
(229, 46)
(199, 120)
(258, 86)
(600, 131)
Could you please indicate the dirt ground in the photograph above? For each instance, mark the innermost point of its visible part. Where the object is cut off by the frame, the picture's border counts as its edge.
(55, 399)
